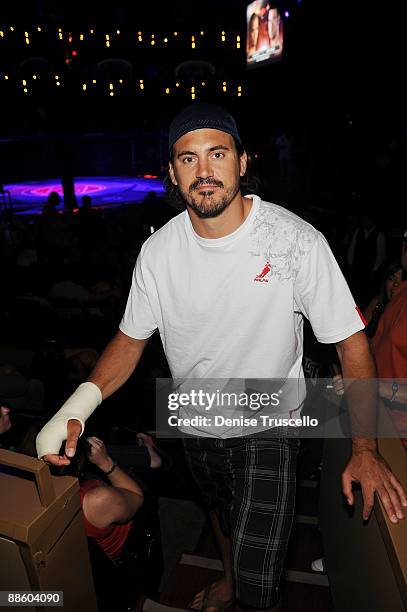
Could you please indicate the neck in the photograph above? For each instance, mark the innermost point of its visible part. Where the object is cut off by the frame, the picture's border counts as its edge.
(226, 223)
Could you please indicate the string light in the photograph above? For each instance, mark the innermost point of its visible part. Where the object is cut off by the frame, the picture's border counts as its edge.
(167, 90)
(165, 40)
(224, 86)
(25, 90)
(24, 82)
(118, 32)
(91, 31)
(6, 77)
(34, 77)
(94, 81)
(238, 42)
(203, 83)
(202, 32)
(177, 84)
(11, 28)
(112, 93)
(223, 36)
(1, 33)
(110, 85)
(175, 33)
(84, 87)
(107, 40)
(56, 77)
(193, 42)
(120, 81)
(58, 83)
(39, 29)
(81, 37)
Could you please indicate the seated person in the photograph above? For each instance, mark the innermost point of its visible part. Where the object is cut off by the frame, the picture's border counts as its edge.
(389, 287)
(108, 510)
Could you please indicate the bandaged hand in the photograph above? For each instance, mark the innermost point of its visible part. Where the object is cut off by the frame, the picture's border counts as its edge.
(78, 407)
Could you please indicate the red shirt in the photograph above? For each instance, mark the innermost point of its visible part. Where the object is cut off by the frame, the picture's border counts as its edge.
(112, 538)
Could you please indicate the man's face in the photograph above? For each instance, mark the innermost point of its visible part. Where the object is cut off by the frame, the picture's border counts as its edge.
(207, 169)
(273, 23)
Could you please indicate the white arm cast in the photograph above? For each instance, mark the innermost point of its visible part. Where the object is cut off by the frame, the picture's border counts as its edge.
(80, 406)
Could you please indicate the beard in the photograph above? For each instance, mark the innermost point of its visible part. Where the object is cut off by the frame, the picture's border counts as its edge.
(209, 203)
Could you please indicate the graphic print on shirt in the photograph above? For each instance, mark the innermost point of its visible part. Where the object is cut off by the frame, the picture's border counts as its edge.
(262, 277)
(282, 240)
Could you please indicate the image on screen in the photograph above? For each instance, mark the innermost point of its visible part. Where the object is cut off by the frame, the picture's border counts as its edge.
(264, 39)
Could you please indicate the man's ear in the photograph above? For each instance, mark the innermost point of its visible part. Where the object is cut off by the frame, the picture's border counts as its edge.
(243, 163)
(172, 173)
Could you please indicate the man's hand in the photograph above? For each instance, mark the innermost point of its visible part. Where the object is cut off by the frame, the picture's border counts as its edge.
(374, 475)
(73, 429)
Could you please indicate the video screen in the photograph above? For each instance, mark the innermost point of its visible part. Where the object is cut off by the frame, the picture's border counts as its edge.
(264, 40)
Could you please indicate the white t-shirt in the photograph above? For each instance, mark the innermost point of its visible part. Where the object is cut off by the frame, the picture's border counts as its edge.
(233, 307)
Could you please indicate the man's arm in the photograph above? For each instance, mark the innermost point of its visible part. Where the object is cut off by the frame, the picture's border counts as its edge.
(117, 363)
(114, 367)
(366, 466)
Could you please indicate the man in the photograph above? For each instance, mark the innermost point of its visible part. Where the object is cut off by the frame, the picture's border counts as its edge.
(274, 32)
(200, 281)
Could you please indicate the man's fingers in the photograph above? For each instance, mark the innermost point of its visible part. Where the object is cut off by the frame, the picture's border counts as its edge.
(395, 502)
(368, 501)
(56, 460)
(387, 503)
(402, 494)
(73, 431)
(347, 487)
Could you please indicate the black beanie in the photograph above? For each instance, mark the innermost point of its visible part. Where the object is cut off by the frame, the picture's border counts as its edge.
(202, 115)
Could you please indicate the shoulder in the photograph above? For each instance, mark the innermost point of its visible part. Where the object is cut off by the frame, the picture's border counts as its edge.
(284, 220)
(283, 237)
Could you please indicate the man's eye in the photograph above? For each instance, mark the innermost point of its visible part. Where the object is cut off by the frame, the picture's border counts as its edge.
(187, 160)
(219, 155)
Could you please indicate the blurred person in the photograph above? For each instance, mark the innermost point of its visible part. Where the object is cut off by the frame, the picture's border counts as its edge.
(389, 346)
(389, 287)
(224, 240)
(366, 254)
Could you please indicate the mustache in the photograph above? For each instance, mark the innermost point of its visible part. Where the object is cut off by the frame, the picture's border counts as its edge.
(203, 182)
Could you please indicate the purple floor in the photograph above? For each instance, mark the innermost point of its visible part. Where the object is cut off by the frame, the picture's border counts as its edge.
(105, 191)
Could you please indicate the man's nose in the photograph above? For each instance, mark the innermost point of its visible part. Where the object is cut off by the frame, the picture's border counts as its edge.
(204, 169)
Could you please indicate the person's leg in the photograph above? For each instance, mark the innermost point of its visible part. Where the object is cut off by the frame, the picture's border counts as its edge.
(223, 589)
(208, 464)
(261, 518)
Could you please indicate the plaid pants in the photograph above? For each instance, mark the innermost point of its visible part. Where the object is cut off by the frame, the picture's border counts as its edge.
(251, 483)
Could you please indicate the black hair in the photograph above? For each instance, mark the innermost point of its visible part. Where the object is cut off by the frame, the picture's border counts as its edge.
(249, 183)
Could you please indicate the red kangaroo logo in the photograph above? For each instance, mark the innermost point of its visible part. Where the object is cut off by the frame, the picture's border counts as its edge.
(261, 278)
